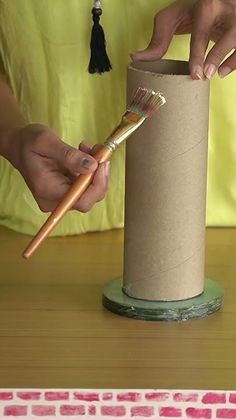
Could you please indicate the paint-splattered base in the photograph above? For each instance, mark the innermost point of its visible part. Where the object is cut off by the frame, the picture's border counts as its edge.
(205, 304)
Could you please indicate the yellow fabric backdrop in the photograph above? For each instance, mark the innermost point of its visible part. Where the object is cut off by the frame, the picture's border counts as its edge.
(44, 46)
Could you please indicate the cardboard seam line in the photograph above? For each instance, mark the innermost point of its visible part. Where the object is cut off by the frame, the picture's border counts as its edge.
(185, 152)
(169, 269)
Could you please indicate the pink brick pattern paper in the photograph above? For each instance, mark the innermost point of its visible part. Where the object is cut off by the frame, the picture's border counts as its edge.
(107, 404)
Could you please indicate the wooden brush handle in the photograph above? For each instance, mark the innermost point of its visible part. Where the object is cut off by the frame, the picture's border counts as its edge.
(70, 198)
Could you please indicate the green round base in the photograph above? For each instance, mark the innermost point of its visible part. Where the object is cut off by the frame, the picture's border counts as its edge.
(115, 300)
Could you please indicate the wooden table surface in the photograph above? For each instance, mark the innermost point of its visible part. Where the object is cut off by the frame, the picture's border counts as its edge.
(54, 331)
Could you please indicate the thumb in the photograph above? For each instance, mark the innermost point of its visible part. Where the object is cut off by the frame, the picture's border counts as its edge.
(76, 161)
(47, 144)
(163, 32)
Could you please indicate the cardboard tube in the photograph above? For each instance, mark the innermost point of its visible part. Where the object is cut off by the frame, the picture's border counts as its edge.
(166, 171)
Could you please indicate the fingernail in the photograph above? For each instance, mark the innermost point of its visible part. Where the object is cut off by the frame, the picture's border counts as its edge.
(86, 144)
(135, 55)
(209, 70)
(86, 147)
(132, 55)
(224, 71)
(107, 168)
(198, 72)
(86, 162)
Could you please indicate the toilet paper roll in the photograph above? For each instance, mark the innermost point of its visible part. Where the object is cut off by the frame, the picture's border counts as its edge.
(166, 172)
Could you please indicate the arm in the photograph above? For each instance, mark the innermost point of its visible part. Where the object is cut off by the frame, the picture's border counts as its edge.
(11, 118)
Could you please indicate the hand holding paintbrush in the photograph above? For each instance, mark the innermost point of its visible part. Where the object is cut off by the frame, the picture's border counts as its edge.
(145, 102)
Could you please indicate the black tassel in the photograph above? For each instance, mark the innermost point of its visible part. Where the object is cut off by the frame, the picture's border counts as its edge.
(99, 61)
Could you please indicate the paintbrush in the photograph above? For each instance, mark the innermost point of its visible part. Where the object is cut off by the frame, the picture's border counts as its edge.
(144, 103)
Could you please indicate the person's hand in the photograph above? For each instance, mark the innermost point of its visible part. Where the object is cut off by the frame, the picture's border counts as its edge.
(49, 167)
(205, 20)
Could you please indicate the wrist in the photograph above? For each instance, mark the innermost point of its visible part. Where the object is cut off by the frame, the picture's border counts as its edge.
(10, 143)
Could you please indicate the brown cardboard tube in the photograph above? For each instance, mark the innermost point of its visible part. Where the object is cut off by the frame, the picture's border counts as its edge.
(166, 170)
